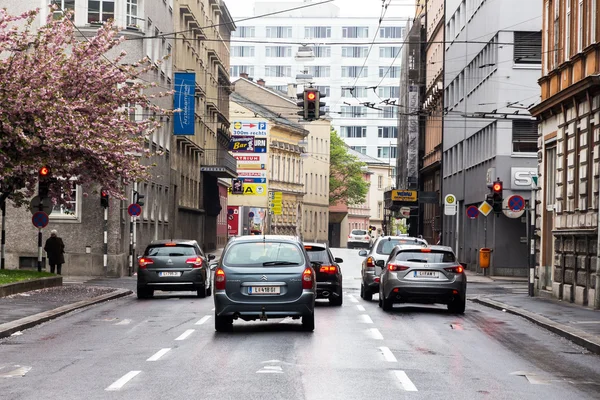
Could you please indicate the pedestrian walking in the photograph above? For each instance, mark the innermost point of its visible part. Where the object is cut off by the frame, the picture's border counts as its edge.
(55, 249)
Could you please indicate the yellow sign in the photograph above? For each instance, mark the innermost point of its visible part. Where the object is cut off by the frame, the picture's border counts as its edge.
(276, 202)
(237, 125)
(404, 195)
(485, 208)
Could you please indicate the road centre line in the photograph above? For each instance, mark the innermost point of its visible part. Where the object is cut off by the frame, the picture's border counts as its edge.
(360, 308)
(118, 384)
(203, 320)
(375, 334)
(387, 354)
(158, 354)
(352, 298)
(405, 381)
(185, 334)
(366, 319)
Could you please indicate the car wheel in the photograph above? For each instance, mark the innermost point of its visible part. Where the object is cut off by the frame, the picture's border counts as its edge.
(337, 300)
(387, 304)
(380, 303)
(362, 291)
(367, 295)
(143, 293)
(209, 291)
(308, 322)
(223, 324)
(458, 305)
(202, 291)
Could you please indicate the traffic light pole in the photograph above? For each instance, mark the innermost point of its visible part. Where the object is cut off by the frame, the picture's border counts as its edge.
(105, 245)
(3, 244)
(531, 240)
(130, 268)
(40, 250)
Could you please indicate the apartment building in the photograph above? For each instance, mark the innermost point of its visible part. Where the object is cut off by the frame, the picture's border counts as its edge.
(569, 112)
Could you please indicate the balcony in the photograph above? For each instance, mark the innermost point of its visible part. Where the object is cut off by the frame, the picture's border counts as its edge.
(219, 163)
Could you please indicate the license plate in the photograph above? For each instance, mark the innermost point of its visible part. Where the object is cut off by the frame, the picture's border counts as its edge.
(426, 274)
(169, 274)
(263, 290)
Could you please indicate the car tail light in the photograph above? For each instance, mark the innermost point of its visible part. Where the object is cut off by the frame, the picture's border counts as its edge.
(143, 262)
(370, 263)
(396, 267)
(349, 236)
(457, 269)
(195, 261)
(367, 237)
(376, 279)
(328, 269)
(220, 279)
(425, 250)
(307, 279)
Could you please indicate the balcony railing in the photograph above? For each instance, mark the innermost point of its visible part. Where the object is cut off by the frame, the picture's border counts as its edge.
(219, 163)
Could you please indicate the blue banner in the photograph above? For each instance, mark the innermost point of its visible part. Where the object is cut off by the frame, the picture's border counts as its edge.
(184, 100)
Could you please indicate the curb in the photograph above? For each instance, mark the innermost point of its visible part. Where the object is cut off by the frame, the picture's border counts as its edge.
(33, 284)
(9, 328)
(583, 339)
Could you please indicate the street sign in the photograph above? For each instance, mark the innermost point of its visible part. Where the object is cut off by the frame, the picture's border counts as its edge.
(516, 203)
(405, 212)
(40, 219)
(450, 207)
(485, 208)
(134, 210)
(506, 208)
(472, 212)
(404, 195)
(247, 128)
(47, 205)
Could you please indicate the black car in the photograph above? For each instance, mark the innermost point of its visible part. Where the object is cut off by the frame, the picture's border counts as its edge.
(329, 274)
(173, 265)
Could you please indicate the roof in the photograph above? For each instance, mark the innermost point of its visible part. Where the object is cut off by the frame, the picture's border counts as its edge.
(266, 113)
(365, 158)
(266, 88)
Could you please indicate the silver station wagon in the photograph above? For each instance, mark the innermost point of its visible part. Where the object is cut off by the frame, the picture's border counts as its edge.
(262, 277)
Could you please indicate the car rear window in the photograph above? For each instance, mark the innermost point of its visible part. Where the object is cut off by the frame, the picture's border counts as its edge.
(170, 251)
(317, 253)
(359, 232)
(256, 253)
(386, 246)
(426, 257)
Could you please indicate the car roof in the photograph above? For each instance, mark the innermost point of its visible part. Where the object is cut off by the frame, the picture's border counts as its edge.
(432, 247)
(188, 242)
(266, 238)
(416, 239)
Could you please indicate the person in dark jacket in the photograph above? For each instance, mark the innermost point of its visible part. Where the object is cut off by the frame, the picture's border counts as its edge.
(55, 249)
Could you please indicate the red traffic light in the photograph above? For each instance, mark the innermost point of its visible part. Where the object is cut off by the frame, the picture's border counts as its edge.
(44, 171)
(497, 187)
(311, 96)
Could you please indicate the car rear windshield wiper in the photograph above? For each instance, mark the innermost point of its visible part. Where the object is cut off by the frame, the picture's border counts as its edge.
(416, 260)
(267, 263)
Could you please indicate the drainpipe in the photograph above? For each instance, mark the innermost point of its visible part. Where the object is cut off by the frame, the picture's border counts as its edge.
(597, 289)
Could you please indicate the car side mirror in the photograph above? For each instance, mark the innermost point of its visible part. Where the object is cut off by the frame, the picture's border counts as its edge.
(211, 257)
(380, 263)
(213, 265)
(362, 253)
(338, 260)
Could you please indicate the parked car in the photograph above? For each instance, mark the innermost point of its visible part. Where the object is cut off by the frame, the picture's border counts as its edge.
(261, 277)
(359, 238)
(417, 274)
(375, 260)
(328, 272)
(173, 265)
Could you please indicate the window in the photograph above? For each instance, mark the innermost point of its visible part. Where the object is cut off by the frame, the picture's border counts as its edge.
(557, 31)
(236, 70)
(319, 71)
(388, 112)
(358, 91)
(354, 131)
(280, 88)
(379, 182)
(392, 72)
(388, 132)
(389, 52)
(386, 152)
(64, 5)
(354, 71)
(434, 256)
(322, 51)
(244, 32)
(592, 22)
(279, 32)
(389, 92)
(251, 255)
(325, 90)
(580, 26)
(355, 51)
(132, 13)
(355, 32)
(100, 10)
(278, 71)
(380, 211)
(242, 51)
(528, 48)
(391, 32)
(360, 149)
(550, 176)
(71, 209)
(278, 51)
(525, 136)
(311, 32)
(353, 111)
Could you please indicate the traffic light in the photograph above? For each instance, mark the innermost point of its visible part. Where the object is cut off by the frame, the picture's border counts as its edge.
(44, 178)
(138, 198)
(302, 105)
(321, 105)
(310, 104)
(497, 188)
(104, 198)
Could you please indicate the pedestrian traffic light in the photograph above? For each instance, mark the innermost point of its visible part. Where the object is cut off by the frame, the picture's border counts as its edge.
(104, 198)
(138, 198)
(497, 194)
(44, 178)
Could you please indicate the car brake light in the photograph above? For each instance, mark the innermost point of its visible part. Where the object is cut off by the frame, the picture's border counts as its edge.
(328, 269)
(425, 250)
(349, 236)
(396, 267)
(367, 237)
(376, 279)
(307, 279)
(457, 270)
(143, 262)
(196, 261)
(370, 262)
(170, 244)
(220, 279)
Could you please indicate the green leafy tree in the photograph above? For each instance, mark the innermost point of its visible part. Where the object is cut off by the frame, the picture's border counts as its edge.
(347, 184)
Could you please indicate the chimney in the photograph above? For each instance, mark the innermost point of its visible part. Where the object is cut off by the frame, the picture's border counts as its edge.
(243, 75)
(261, 82)
(291, 90)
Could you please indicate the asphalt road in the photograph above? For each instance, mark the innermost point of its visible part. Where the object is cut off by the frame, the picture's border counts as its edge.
(166, 348)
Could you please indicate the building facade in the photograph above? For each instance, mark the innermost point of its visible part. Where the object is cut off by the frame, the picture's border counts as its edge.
(568, 115)
(381, 180)
(490, 73)
(337, 70)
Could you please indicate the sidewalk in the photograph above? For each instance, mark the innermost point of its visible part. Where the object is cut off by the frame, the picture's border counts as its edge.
(579, 324)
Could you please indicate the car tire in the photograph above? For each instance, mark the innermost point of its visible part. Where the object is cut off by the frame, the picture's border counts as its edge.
(337, 300)
(458, 305)
(223, 324)
(308, 322)
(380, 303)
(209, 291)
(202, 291)
(387, 304)
(367, 294)
(362, 291)
(144, 293)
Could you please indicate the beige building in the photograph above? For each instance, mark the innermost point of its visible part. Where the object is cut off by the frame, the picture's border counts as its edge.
(381, 180)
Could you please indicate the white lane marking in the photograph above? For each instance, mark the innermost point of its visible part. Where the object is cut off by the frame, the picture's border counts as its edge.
(352, 298)
(158, 354)
(123, 380)
(17, 371)
(387, 354)
(375, 334)
(124, 322)
(203, 320)
(366, 319)
(270, 369)
(360, 308)
(405, 381)
(185, 334)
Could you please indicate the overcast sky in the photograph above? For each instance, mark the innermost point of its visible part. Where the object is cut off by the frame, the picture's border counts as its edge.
(349, 8)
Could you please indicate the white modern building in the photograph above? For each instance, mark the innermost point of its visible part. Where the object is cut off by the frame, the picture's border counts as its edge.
(352, 74)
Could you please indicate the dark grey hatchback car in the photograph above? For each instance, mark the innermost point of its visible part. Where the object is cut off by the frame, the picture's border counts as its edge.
(261, 277)
(173, 265)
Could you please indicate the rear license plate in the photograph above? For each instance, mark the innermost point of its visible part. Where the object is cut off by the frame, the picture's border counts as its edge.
(169, 274)
(263, 290)
(426, 274)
